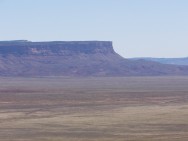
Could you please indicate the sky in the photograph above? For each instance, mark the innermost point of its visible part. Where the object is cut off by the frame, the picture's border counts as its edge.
(138, 28)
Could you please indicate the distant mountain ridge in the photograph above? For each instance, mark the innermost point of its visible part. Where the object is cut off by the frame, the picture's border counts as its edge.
(75, 58)
(173, 61)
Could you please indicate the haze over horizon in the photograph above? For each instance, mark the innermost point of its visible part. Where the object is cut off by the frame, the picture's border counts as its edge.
(138, 28)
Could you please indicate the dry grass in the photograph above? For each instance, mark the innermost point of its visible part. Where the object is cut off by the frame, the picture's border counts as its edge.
(94, 109)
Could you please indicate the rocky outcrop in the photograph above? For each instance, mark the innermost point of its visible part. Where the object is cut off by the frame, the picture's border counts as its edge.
(74, 58)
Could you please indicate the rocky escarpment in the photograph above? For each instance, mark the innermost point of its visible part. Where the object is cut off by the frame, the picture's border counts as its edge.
(74, 58)
(60, 48)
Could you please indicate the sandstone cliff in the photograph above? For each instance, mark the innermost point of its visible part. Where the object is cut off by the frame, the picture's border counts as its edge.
(59, 48)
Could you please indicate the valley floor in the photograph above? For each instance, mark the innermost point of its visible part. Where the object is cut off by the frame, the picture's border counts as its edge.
(94, 109)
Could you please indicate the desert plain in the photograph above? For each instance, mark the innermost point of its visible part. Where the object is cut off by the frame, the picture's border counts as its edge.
(94, 109)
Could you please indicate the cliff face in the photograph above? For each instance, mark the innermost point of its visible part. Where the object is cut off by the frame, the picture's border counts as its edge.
(74, 58)
(60, 48)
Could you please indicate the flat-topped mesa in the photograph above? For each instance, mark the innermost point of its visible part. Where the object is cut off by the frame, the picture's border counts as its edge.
(23, 47)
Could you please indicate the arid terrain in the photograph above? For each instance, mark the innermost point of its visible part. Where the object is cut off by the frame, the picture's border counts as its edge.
(94, 109)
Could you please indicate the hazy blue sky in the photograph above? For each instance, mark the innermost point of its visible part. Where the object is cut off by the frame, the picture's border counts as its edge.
(157, 28)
